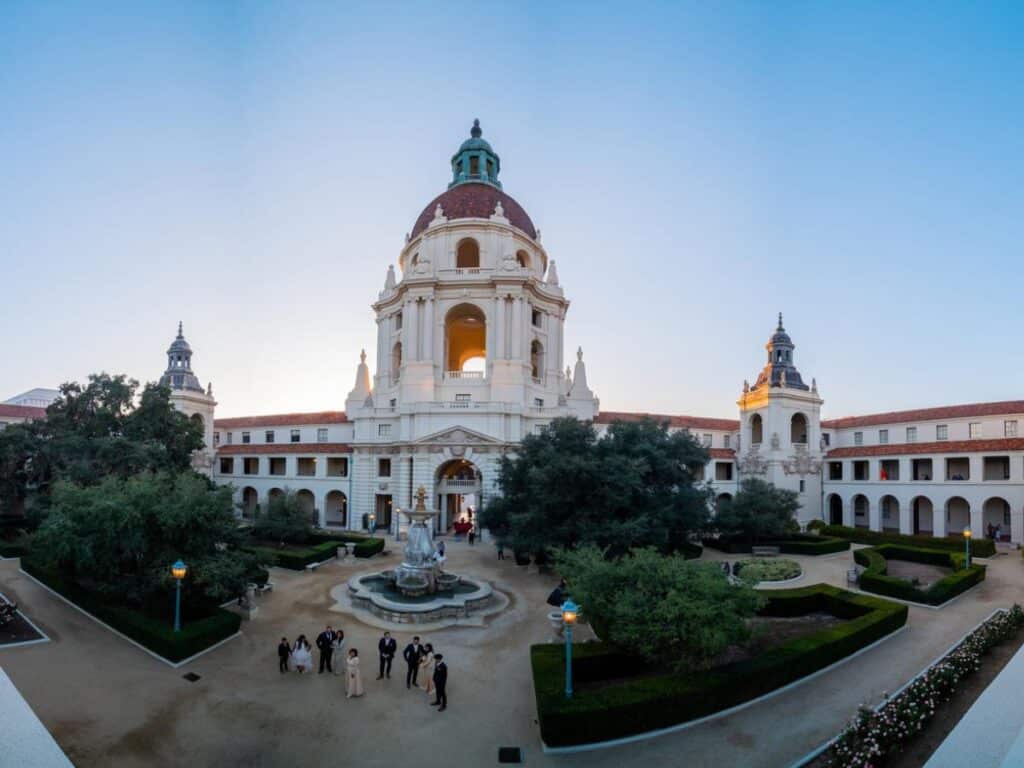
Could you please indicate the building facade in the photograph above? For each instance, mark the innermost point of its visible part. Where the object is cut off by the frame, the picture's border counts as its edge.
(469, 360)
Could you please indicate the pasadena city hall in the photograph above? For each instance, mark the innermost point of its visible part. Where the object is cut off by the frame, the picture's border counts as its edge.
(470, 359)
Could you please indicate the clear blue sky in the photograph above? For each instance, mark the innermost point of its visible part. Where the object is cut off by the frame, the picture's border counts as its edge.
(252, 168)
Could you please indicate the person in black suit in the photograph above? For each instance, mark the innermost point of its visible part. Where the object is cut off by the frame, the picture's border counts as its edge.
(387, 648)
(440, 683)
(283, 652)
(325, 642)
(412, 653)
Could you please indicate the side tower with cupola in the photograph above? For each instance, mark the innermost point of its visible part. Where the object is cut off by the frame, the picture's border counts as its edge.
(189, 397)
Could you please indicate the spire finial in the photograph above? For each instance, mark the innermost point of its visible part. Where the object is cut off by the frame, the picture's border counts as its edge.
(780, 322)
(180, 335)
(579, 353)
(475, 131)
(362, 356)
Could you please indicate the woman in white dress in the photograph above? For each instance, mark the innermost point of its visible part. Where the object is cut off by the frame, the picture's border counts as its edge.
(354, 680)
(302, 658)
(337, 645)
(426, 672)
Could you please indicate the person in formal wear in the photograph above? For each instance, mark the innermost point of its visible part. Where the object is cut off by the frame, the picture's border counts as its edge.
(501, 551)
(354, 681)
(336, 646)
(325, 644)
(440, 683)
(412, 654)
(302, 659)
(427, 668)
(472, 535)
(283, 652)
(440, 548)
(387, 647)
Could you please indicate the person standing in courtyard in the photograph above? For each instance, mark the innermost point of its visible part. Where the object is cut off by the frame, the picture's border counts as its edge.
(472, 535)
(336, 646)
(283, 652)
(440, 683)
(354, 680)
(325, 643)
(427, 668)
(501, 551)
(387, 647)
(412, 654)
(302, 659)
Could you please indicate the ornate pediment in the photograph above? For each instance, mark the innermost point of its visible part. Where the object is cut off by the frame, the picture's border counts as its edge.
(459, 436)
(752, 462)
(801, 463)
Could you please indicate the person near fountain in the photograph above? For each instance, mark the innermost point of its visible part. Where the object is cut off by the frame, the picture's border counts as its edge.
(440, 683)
(302, 659)
(387, 647)
(412, 654)
(283, 652)
(325, 644)
(354, 681)
(336, 646)
(427, 668)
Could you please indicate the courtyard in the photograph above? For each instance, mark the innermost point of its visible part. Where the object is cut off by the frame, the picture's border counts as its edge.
(109, 704)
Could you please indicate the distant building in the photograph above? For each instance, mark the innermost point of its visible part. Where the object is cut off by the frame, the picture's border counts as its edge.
(18, 414)
(35, 398)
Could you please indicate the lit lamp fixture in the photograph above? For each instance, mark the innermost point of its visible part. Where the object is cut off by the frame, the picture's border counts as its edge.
(569, 614)
(967, 543)
(179, 570)
(373, 522)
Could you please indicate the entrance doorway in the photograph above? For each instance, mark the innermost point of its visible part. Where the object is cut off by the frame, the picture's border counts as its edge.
(459, 486)
(382, 510)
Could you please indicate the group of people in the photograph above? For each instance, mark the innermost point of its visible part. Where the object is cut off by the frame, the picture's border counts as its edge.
(421, 660)
(995, 532)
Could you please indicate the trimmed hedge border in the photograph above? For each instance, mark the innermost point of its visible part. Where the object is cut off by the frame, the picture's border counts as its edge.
(796, 544)
(158, 636)
(660, 701)
(875, 579)
(323, 547)
(979, 547)
(365, 546)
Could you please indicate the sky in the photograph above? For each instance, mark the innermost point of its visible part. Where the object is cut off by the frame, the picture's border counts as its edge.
(251, 169)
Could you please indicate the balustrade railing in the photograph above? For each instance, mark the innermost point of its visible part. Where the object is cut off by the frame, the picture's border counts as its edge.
(464, 374)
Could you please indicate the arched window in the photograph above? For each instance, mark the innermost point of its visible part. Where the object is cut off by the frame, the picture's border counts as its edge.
(536, 359)
(798, 429)
(465, 338)
(336, 509)
(756, 429)
(523, 259)
(198, 419)
(396, 361)
(467, 255)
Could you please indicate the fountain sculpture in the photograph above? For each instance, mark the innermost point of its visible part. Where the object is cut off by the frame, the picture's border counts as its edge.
(420, 572)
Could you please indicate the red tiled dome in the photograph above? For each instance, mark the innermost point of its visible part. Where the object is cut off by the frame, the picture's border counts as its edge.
(475, 201)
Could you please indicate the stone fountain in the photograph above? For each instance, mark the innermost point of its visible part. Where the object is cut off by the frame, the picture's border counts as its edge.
(420, 572)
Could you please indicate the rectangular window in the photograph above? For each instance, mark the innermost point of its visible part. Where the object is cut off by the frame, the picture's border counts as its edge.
(231, 436)
(974, 430)
(383, 430)
(883, 436)
(723, 470)
(246, 439)
(706, 439)
(911, 434)
(383, 467)
(803, 486)
(1010, 428)
(393, 402)
(858, 438)
(835, 470)
(227, 466)
(296, 435)
(337, 467)
(726, 440)
(942, 432)
(251, 466)
(921, 469)
(827, 438)
(537, 318)
(216, 439)
(463, 398)
(538, 402)
(278, 465)
(860, 470)
(321, 435)
(268, 436)
(306, 467)
(889, 469)
(398, 321)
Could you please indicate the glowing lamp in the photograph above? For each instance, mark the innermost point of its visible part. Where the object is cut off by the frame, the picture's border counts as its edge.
(179, 570)
(569, 612)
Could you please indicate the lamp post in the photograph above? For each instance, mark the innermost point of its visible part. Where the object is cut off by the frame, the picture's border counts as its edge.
(373, 522)
(569, 611)
(967, 544)
(178, 571)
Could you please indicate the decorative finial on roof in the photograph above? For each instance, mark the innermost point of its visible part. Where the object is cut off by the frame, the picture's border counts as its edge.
(209, 389)
(814, 385)
(746, 386)
(579, 353)
(475, 131)
(780, 323)
(180, 335)
(362, 356)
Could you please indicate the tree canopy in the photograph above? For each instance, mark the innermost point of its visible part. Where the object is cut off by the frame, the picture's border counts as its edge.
(758, 511)
(636, 486)
(661, 607)
(284, 520)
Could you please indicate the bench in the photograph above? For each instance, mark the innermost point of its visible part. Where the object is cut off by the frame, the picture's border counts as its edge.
(268, 587)
(764, 551)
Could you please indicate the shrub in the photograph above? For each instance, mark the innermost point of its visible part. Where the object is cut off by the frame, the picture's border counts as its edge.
(365, 546)
(979, 547)
(207, 626)
(292, 557)
(875, 578)
(285, 519)
(767, 569)
(816, 525)
(795, 544)
(662, 699)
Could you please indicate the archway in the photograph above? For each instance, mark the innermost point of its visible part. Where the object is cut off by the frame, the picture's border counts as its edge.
(890, 509)
(756, 429)
(923, 513)
(396, 361)
(860, 511)
(336, 509)
(467, 254)
(835, 509)
(958, 516)
(250, 499)
(523, 259)
(536, 359)
(275, 493)
(798, 429)
(721, 501)
(459, 486)
(308, 502)
(995, 512)
(465, 338)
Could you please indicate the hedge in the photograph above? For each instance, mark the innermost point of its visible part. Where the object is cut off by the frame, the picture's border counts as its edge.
(365, 546)
(666, 698)
(156, 634)
(979, 547)
(12, 549)
(794, 544)
(295, 557)
(875, 578)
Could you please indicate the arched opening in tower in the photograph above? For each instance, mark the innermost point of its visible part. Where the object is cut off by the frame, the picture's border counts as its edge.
(465, 335)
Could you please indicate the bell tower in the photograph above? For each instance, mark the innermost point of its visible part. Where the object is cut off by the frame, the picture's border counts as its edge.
(189, 397)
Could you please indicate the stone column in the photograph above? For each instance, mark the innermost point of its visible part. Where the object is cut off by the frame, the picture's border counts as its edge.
(499, 327)
(848, 519)
(938, 520)
(410, 349)
(977, 524)
(907, 518)
(517, 329)
(874, 516)
(428, 329)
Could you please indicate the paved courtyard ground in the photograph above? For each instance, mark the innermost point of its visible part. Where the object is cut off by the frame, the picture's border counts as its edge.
(109, 704)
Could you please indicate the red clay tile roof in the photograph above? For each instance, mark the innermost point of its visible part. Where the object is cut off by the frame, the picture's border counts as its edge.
(283, 420)
(942, 446)
(722, 453)
(264, 448)
(475, 201)
(690, 422)
(927, 414)
(22, 411)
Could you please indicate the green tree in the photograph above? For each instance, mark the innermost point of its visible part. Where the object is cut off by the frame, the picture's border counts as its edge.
(661, 607)
(566, 487)
(758, 511)
(285, 520)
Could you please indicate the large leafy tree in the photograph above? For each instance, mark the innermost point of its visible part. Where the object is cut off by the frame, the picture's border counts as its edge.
(120, 536)
(636, 486)
(758, 511)
(285, 520)
(661, 607)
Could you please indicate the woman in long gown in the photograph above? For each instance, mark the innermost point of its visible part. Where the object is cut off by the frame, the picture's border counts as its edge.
(354, 681)
(427, 668)
(337, 645)
(302, 658)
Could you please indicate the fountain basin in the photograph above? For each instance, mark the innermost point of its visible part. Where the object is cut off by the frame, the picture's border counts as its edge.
(376, 593)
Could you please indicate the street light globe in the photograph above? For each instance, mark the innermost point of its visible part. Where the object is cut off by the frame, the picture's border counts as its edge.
(569, 611)
(967, 533)
(179, 570)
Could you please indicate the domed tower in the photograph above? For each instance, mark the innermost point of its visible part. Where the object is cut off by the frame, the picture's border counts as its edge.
(780, 427)
(189, 397)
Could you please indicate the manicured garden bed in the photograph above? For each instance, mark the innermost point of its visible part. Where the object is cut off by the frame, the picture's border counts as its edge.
(365, 546)
(979, 547)
(320, 547)
(767, 569)
(794, 544)
(876, 578)
(202, 627)
(636, 699)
